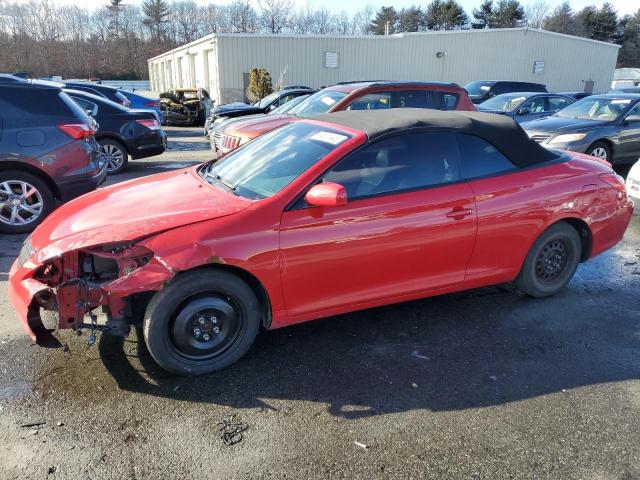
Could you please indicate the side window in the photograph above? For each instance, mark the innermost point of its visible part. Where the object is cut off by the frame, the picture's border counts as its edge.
(557, 103)
(479, 158)
(86, 105)
(425, 99)
(397, 164)
(372, 101)
(284, 99)
(536, 105)
(634, 112)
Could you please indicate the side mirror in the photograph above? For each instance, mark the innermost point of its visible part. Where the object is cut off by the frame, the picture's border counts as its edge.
(273, 107)
(524, 111)
(632, 118)
(326, 195)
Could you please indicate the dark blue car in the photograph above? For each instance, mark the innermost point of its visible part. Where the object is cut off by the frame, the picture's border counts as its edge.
(526, 106)
(140, 102)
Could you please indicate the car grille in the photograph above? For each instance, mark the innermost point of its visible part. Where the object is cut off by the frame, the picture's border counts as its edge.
(539, 137)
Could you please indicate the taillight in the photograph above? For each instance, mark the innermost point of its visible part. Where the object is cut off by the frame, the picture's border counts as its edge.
(152, 103)
(78, 131)
(149, 123)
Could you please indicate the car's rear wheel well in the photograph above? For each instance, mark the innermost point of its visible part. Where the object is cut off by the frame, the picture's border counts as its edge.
(114, 138)
(255, 285)
(25, 167)
(586, 237)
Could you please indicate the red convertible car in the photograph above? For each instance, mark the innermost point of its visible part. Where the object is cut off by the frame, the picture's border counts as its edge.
(348, 211)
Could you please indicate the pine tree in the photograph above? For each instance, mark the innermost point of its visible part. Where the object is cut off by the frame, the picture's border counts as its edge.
(260, 84)
(483, 15)
(156, 13)
(385, 16)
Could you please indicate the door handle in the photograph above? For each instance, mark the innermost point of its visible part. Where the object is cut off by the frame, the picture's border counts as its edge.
(459, 213)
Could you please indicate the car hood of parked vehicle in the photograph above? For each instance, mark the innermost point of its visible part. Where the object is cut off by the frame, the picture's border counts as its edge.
(258, 126)
(562, 124)
(132, 210)
(234, 107)
(491, 110)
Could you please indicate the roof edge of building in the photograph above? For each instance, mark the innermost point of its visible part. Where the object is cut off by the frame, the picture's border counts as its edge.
(212, 36)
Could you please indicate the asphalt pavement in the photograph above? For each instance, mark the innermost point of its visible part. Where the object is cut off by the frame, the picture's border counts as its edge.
(484, 384)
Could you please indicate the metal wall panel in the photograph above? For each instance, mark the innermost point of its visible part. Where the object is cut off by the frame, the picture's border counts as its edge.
(456, 56)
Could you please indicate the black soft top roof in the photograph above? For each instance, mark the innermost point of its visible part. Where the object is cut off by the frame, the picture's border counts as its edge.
(501, 131)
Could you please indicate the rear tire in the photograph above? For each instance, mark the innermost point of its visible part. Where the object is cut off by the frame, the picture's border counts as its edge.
(600, 150)
(202, 322)
(551, 262)
(115, 154)
(20, 213)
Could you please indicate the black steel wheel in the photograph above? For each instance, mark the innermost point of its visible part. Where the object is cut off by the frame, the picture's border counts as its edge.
(551, 262)
(202, 322)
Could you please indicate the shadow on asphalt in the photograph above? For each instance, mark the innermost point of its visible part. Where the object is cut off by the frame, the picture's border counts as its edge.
(474, 349)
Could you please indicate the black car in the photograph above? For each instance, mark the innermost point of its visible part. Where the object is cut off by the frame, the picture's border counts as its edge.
(604, 126)
(48, 153)
(482, 90)
(8, 78)
(268, 103)
(576, 95)
(122, 132)
(110, 93)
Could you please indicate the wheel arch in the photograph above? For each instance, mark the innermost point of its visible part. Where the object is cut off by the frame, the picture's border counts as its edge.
(606, 141)
(585, 233)
(251, 280)
(9, 165)
(111, 136)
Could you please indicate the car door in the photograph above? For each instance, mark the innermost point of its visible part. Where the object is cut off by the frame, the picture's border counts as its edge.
(408, 226)
(532, 109)
(629, 137)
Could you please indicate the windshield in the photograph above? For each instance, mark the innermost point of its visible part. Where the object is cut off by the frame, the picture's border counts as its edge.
(289, 105)
(266, 101)
(505, 103)
(318, 103)
(271, 162)
(477, 89)
(595, 108)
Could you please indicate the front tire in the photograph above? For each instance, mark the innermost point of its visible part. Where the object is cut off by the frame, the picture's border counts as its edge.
(551, 262)
(115, 154)
(25, 201)
(202, 322)
(600, 150)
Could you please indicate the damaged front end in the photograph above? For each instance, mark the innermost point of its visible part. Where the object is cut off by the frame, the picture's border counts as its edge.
(114, 280)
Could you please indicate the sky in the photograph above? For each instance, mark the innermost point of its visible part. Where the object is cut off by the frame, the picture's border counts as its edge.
(623, 6)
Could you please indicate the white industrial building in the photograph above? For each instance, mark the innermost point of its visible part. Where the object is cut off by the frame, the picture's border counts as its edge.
(220, 63)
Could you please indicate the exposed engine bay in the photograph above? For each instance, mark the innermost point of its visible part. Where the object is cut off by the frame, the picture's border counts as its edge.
(185, 106)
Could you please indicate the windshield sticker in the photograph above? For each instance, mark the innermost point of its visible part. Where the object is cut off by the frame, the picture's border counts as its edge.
(620, 102)
(328, 137)
(327, 101)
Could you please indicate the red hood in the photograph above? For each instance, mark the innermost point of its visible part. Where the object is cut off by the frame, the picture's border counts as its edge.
(254, 128)
(131, 210)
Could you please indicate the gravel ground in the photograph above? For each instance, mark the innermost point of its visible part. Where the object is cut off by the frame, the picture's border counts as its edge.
(485, 384)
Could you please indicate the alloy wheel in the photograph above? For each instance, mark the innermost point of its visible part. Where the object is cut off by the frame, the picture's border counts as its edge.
(20, 203)
(599, 152)
(113, 156)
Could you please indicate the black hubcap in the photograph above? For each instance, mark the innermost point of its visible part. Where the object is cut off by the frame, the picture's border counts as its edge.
(551, 261)
(205, 327)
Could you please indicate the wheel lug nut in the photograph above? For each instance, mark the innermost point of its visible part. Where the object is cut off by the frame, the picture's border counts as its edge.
(206, 337)
(216, 330)
(196, 331)
(201, 320)
(214, 320)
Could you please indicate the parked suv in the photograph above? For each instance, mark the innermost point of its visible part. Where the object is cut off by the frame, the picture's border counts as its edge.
(121, 131)
(482, 90)
(48, 153)
(350, 96)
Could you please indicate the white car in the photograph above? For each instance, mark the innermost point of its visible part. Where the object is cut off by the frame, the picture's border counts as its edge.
(633, 185)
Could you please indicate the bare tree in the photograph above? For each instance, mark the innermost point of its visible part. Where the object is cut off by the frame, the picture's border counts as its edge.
(275, 15)
(537, 13)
